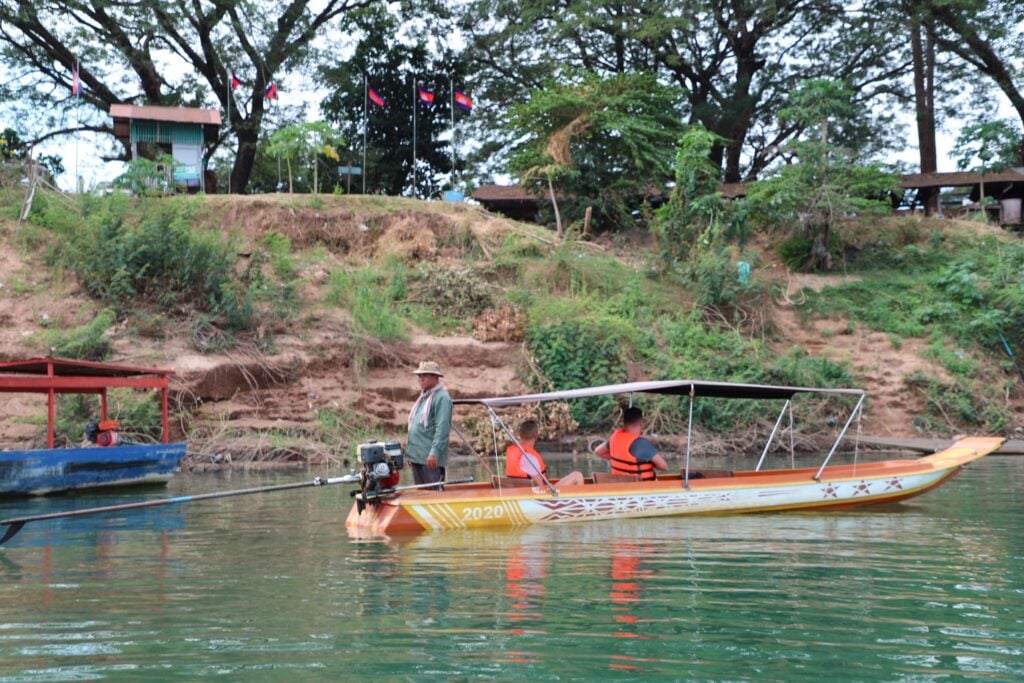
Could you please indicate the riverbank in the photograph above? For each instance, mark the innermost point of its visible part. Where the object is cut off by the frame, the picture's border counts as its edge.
(348, 294)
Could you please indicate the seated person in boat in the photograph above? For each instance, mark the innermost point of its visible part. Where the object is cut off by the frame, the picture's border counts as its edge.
(629, 453)
(526, 463)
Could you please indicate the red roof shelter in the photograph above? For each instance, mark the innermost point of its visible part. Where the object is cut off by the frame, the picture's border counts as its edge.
(52, 376)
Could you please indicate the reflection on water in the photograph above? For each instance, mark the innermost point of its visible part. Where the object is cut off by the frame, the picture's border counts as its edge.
(270, 587)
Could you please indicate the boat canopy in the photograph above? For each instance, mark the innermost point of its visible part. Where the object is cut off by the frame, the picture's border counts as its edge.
(670, 387)
(52, 376)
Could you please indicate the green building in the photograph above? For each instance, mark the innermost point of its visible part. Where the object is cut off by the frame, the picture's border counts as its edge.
(185, 133)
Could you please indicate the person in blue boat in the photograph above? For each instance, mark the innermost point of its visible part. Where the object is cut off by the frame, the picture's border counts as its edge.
(628, 452)
(430, 422)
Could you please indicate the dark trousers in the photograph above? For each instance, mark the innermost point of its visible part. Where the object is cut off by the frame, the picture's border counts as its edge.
(421, 474)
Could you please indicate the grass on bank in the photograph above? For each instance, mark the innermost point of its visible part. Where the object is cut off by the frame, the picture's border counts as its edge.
(588, 317)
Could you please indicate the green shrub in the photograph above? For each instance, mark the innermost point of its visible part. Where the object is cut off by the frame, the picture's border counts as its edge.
(572, 354)
(88, 342)
(952, 407)
(159, 260)
(369, 295)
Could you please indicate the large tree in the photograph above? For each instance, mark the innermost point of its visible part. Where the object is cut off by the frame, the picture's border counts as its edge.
(166, 52)
(602, 142)
(735, 62)
(986, 34)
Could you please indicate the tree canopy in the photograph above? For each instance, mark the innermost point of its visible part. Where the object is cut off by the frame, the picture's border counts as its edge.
(728, 67)
(134, 51)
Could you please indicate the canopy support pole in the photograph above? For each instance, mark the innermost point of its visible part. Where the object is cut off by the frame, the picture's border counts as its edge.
(771, 437)
(166, 434)
(472, 450)
(689, 434)
(855, 413)
(792, 454)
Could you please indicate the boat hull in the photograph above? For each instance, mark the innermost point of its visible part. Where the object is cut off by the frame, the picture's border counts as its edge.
(55, 470)
(481, 506)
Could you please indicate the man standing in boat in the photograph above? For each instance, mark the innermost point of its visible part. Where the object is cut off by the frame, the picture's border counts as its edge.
(430, 421)
(628, 452)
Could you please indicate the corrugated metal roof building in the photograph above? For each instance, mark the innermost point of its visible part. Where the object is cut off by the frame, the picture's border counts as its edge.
(182, 132)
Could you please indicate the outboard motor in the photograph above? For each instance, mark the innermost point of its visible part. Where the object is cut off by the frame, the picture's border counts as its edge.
(379, 465)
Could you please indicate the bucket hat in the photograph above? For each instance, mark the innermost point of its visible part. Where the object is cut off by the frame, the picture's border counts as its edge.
(428, 367)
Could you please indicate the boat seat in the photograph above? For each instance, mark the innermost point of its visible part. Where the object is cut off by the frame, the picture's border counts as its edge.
(509, 482)
(609, 478)
(707, 474)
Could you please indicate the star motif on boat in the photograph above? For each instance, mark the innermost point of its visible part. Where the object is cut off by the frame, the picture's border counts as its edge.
(830, 491)
(862, 487)
(895, 483)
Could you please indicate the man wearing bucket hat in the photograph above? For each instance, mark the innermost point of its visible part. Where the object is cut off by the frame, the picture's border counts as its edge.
(430, 421)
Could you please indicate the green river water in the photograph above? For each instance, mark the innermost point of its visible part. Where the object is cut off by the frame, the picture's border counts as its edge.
(270, 588)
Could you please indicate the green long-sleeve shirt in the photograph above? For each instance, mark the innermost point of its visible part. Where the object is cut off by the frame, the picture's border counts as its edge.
(431, 438)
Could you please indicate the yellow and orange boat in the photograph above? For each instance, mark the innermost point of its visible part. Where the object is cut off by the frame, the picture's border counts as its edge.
(691, 491)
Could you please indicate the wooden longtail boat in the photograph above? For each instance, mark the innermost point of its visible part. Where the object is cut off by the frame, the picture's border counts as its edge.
(51, 470)
(691, 491)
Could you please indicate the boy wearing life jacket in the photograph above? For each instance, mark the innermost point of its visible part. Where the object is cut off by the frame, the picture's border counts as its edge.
(526, 463)
(629, 453)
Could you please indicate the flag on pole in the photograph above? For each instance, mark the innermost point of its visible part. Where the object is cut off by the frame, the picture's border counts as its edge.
(375, 97)
(426, 96)
(76, 84)
(462, 101)
(271, 93)
(234, 82)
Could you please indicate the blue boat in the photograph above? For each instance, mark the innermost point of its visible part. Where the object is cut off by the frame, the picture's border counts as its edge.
(52, 470)
(109, 462)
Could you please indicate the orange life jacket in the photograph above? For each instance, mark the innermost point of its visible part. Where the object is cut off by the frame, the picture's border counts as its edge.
(513, 464)
(622, 460)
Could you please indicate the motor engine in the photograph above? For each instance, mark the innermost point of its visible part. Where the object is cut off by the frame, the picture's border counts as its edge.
(103, 433)
(379, 465)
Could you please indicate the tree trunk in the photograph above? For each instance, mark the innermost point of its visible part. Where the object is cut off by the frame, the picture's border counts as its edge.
(554, 203)
(242, 169)
(288, 161)
(923, 53)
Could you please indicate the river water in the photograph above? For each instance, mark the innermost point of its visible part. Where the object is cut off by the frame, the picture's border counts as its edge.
(269, 587)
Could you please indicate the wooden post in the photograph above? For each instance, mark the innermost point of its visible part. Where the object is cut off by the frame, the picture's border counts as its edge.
(586, 220)
(163, 413)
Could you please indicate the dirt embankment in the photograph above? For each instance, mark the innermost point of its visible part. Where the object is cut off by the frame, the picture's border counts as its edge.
(248, 406)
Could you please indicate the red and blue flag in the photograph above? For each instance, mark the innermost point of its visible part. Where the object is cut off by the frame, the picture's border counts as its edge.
(462, 101)
(426, 96)
(271, 92)
(375, 97)
(76, 84)
(234, 82)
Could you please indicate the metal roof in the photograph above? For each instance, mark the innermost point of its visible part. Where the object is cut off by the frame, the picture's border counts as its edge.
(204, 117)
(671, 387)
(67, 367)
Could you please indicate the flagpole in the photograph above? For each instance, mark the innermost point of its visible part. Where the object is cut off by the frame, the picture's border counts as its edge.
(414, 108)
(227, 92)
(366, 123)
(78, 119)
(451, 87)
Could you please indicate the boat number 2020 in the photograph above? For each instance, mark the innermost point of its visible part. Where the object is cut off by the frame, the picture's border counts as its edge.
(475, 514)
